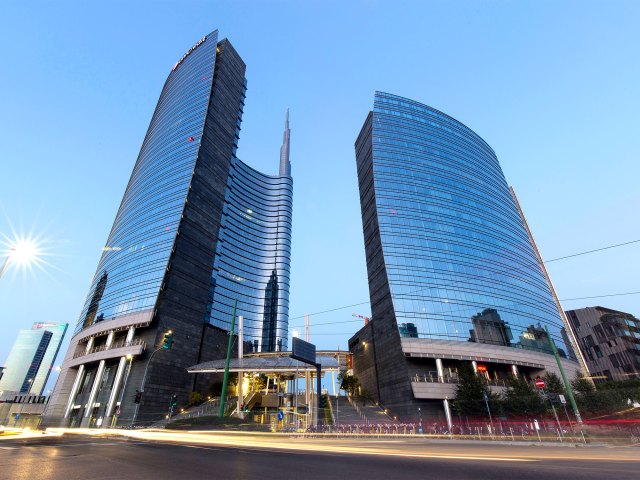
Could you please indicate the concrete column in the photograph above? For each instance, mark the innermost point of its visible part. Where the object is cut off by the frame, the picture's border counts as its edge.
(74, 390)
(447, 413)
(114, 388)
(76, 383)
(514, 370)
(110, 338)
(94, 389)
(474, 364)
(440, 370)
(130, 333)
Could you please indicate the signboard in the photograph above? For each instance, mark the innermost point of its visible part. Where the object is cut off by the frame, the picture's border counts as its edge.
(280, 415)
(198, 43)
(539, 383)
(536, 424)
(562, 399)
(303, 351)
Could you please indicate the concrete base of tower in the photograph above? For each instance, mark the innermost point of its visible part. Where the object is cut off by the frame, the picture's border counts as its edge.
(420, 378)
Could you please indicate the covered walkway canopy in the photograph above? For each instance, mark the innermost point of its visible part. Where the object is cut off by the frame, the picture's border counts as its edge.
(275, 362)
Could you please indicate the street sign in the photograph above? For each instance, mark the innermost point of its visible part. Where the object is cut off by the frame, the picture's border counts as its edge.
(303, 351)
(539, 383)
(562, 399)
(280, 415)
(536, 424)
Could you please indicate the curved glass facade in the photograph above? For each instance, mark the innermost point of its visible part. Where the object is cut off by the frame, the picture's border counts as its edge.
(134, 261)
(252, 262)
(459, 262)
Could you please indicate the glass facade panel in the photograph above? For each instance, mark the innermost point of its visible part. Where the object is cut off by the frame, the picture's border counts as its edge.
(134, 260)
(252, 262)
(459, 262)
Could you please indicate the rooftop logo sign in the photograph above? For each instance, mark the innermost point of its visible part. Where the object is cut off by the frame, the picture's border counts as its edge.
(198, 43)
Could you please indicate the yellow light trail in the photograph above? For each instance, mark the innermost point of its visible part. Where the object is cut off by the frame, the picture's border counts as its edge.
(270, 441)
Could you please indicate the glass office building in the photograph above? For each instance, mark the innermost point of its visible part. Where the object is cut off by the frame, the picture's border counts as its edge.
(196, 229)
(453, 242)
(252, 263)
(32, 357)
(450, 261)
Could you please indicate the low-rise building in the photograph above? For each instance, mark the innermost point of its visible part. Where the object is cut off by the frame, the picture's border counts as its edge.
(609, 341)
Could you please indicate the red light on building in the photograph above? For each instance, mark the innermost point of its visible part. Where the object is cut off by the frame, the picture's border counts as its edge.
(191, 139)
(481, 368)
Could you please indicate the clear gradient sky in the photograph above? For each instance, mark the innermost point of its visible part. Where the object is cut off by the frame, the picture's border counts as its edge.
(552, 86)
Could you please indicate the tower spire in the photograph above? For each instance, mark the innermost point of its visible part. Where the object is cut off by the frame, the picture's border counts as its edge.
(285, 164)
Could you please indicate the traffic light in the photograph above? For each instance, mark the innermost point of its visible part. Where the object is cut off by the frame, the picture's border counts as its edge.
(323, 401)
(246, 407)
(168, 340)
(137, 397)
(174, 401)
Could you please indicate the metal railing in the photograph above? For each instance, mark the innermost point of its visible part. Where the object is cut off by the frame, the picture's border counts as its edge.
(101, 348)
(432, 377)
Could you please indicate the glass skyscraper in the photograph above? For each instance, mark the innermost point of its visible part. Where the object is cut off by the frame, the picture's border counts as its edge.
(32, 357)
(197, 230)
(452, 270)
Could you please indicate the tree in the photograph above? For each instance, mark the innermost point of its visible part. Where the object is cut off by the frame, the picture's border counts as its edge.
(521, 398)
(195, 398)
(470, 392)
(365, 396)
(582, 385)
(348, 383)
(553, 384)
(609, 398)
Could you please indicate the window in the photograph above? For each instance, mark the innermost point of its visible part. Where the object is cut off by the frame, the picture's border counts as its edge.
(599, 333)
(597, 351)
(614, 360)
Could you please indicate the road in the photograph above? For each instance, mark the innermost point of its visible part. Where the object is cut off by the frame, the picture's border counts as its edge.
(237, 456)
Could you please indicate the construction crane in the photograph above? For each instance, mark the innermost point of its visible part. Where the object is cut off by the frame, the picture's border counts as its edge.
(366, 319)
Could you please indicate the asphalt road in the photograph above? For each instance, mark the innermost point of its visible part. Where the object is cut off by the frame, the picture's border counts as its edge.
(75, 457)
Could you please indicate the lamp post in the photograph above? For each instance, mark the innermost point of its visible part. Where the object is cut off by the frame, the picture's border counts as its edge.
(6, 260)
(23, 252)
(168, 341)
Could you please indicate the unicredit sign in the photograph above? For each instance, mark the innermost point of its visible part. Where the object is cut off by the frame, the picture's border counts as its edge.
(200, 42)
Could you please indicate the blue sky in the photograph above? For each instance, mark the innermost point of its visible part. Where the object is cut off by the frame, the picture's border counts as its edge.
(551, 86)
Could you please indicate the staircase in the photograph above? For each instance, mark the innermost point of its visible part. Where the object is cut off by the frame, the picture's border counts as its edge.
(346, 412)
(210, 407)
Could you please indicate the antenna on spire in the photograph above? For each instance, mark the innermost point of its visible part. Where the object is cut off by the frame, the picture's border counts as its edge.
(285, 164)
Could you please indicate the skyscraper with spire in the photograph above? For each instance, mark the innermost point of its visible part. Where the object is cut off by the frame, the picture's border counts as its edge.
(199, 234)
(285, 165)
(252, 261)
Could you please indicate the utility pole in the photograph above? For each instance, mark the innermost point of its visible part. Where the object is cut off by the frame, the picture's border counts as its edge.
(225, 381)
(307, 384)
(240, 372)
(567, 385)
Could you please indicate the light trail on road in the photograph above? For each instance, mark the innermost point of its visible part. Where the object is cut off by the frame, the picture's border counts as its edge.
(414, 447)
